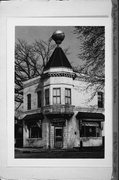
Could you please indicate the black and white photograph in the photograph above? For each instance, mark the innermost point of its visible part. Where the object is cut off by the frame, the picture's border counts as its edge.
(59, 92)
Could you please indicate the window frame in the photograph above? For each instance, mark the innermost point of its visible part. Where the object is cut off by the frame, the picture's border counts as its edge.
(67, 98)
(57, 96)
(39, 102)
(100, 99)
(39, 135)
(84, 128)
(47, 98)
(28, 101)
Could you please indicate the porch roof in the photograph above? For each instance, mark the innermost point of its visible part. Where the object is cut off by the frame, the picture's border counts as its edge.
(90, 115)
(36, 116)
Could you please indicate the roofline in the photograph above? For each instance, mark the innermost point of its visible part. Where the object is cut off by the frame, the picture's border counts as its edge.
(29, 80)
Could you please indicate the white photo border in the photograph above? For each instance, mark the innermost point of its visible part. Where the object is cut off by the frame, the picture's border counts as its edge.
(60, 21)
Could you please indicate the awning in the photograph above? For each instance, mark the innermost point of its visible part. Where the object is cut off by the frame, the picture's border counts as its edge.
(36, 116)
(89, 115)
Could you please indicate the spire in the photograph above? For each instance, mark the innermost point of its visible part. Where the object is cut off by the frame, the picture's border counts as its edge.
(58, 58)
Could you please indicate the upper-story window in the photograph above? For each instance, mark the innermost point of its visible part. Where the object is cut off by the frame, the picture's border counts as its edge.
(29, 101)
(47, 97)
(67, 96)
(100, 99)
(39, 99)
(56, 96)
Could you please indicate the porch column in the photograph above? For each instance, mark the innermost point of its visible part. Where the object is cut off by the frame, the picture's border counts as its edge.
(65, 135)
(25, 134)
(51, 136)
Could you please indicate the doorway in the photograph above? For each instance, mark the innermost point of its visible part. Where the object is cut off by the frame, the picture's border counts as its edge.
(58, 137)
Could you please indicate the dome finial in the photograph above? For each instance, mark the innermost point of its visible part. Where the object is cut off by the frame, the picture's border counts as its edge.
(58, 36)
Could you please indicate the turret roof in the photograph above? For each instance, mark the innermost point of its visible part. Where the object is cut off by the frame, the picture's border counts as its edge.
(58, 59)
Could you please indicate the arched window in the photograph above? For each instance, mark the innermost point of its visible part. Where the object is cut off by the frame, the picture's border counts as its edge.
(29, 101)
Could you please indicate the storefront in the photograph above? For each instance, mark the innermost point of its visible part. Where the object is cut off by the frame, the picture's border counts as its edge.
(91, 128)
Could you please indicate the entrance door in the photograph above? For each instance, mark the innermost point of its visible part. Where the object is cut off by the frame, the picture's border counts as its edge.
(58, 137)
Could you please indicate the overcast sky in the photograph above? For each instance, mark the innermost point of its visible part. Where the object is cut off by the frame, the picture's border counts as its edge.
(32, 33)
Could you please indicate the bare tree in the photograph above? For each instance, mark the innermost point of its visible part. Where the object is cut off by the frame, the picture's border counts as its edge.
(92, 53)
(29, 63)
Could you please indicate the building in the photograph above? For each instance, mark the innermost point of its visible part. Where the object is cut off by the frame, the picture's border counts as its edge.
(56, 111)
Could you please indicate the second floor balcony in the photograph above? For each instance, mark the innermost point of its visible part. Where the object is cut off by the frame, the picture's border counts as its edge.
(58, 109)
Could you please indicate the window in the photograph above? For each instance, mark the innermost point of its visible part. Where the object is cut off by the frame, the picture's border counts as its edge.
(39, 99)
(56, 96)
(47, 97)
(100, 99)
(67, 96)
(29, 101)
(90, 130)
(35, 130)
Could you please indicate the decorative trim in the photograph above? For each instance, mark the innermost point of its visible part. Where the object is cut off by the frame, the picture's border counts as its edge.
(59, 74)
(58, 84)
(58, 122)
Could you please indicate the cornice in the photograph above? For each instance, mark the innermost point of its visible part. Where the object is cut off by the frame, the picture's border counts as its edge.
(32, 82)
(59, 74)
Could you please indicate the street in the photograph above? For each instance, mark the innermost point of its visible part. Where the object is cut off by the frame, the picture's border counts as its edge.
(83, 153)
